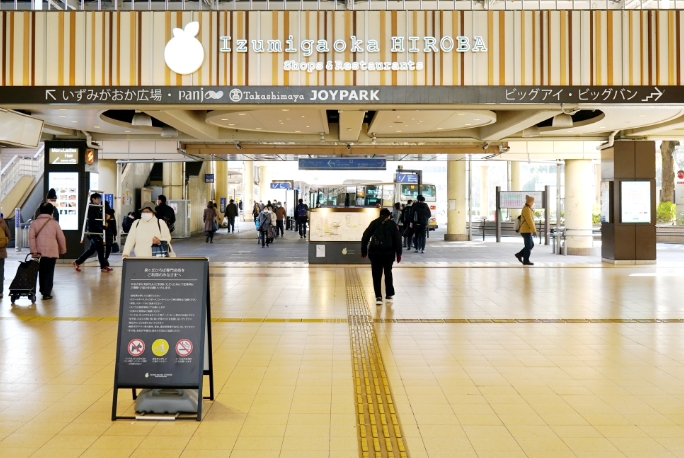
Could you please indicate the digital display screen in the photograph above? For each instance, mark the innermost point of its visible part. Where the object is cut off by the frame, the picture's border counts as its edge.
(635, 201)
(66, 185)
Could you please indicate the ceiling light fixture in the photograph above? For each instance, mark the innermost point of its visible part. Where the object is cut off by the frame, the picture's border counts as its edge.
(141, 119)
(231, 124)
(285, 109)
(127, 131)
(241, 114)
(169, 132)
(224, 119)
(468, 124)
(531, 132)
(97, 127)
(562, 120)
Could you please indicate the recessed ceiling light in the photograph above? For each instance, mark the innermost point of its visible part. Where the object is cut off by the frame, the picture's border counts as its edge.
(476, 119)
(62, 116)
(468, 124)
(62, 109)
(241, 114)
(440, 128)
(231, 124)
(398, 131)
(461, 114)
(224, 119)
(127, 131)
(97, 127)
(258, 128)
(74, 121)
(347, 129)
(297, 131)
(303, 116)
(285, 109)
(398, 116)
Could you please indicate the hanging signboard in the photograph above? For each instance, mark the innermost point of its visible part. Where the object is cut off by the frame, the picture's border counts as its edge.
(164, 338)
(342, 164)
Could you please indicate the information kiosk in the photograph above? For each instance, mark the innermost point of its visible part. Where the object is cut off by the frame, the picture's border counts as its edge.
(335, 234)
(164, 338)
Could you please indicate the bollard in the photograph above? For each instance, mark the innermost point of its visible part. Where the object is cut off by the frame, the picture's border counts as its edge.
(17, 229)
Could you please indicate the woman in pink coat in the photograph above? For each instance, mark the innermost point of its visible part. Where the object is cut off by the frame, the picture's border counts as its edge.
(47, 240)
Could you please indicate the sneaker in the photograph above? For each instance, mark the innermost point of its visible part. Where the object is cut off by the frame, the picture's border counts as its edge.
(76, 266)
(528, 263)
(106, 270)
(48, 297)
(422, 251)
(517, 255)
(378, 300)
(389, 298)
(416, 251)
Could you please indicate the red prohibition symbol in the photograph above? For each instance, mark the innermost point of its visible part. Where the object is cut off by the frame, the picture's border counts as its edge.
(136, 347)
(184, 347)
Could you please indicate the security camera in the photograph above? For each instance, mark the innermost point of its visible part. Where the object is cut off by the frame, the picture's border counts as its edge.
(485, 146)
(504, 149)
(349, 145)
(238, 145)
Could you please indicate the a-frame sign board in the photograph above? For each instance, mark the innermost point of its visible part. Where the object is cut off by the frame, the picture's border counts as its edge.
(164, 338)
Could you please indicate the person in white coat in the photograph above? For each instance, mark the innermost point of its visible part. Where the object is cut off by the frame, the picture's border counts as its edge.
(145, 232)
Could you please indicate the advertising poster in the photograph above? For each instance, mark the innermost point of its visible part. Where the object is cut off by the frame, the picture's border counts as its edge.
(636, 201)
(66, 185)
(516, 199)
(605, 202)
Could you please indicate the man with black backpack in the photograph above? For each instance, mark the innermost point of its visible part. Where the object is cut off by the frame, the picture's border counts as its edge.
(164, 212)
(420, 217)
(385, 243)
(301, 213)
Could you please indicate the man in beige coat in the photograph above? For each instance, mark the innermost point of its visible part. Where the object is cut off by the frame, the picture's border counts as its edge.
(528, 231)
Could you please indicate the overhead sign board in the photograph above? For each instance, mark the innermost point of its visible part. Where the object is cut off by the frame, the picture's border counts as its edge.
(208, 177)
(164, 337)
(276, 95)
(404, 177)
(63, 156)
(342, 164)
(282, 185)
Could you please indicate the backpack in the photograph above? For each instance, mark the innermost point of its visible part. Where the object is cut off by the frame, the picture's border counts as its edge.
(126, 225)
(518, 223)
(382, 238)
(301, 210)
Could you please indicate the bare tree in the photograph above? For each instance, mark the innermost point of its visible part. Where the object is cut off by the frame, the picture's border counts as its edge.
(667, 148)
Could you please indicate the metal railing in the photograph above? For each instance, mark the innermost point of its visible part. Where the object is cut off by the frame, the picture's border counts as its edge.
(18, 167)
(559, 237)
(335, 5)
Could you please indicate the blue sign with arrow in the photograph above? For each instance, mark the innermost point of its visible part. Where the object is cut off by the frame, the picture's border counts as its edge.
(403, 177)
(342, 164)
(281, 185)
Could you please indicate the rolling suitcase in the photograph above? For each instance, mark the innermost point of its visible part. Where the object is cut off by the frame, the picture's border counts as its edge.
(24, 283)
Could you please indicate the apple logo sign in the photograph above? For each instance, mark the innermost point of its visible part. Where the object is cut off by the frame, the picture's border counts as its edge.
(184, 53)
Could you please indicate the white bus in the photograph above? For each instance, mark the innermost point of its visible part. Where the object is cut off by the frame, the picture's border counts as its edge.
(358, 193)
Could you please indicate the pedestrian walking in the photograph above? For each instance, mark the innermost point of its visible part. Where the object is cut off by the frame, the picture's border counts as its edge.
(381, 242)
(146, 232)
(302, 215)
(110, 229)
(421, 217)
(4, 240)
(97, 243)
(408, 229)
(396, 213)
(256, 210)
(210, 224)
(232, 212)
(164, 212)
(46, 240)
(264, 223)
(281, 214)
(527, 230)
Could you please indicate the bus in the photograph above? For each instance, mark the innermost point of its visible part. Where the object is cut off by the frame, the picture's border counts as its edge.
(360, 193)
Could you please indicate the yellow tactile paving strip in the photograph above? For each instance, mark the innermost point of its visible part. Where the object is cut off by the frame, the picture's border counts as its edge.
(379, 430)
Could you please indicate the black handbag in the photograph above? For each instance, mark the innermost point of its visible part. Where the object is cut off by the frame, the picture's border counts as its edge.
(115, 247)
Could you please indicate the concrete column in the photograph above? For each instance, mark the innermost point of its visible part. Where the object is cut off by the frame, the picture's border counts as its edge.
(516, 184)
(248, 190)
(579, 200)
(457, 209)
(210, 168)
(172, 179)
(264, 185)
(597, 185)
(107, 171)
(484, 191)
(221, 182)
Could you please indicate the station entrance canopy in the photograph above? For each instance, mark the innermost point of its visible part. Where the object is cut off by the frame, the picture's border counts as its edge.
(372, 78)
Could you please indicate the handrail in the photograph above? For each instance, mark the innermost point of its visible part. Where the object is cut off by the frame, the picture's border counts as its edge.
(18, 167)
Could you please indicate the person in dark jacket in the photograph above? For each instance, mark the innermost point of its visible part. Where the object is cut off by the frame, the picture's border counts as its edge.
(407, 216)
(110, 229)
(385, 243)
(51, 198)
(165, 212)
(421, 217)
(97, 243)
(302, 216)
(232, 213)
(209, 217)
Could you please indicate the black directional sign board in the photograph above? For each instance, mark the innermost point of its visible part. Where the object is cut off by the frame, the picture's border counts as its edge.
(276, 95)
(163, 339)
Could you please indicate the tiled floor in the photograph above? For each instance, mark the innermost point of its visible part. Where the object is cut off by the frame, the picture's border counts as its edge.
(285, 389)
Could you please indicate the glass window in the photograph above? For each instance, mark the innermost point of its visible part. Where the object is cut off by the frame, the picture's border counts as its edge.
(429, 191)
(409, 191)
(387, 195)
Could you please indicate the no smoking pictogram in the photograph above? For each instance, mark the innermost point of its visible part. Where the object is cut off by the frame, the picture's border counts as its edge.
(136, 347)
(184, 347)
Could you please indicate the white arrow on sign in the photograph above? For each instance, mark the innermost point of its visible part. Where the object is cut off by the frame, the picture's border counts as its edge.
(658, 92)
(48, 92)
